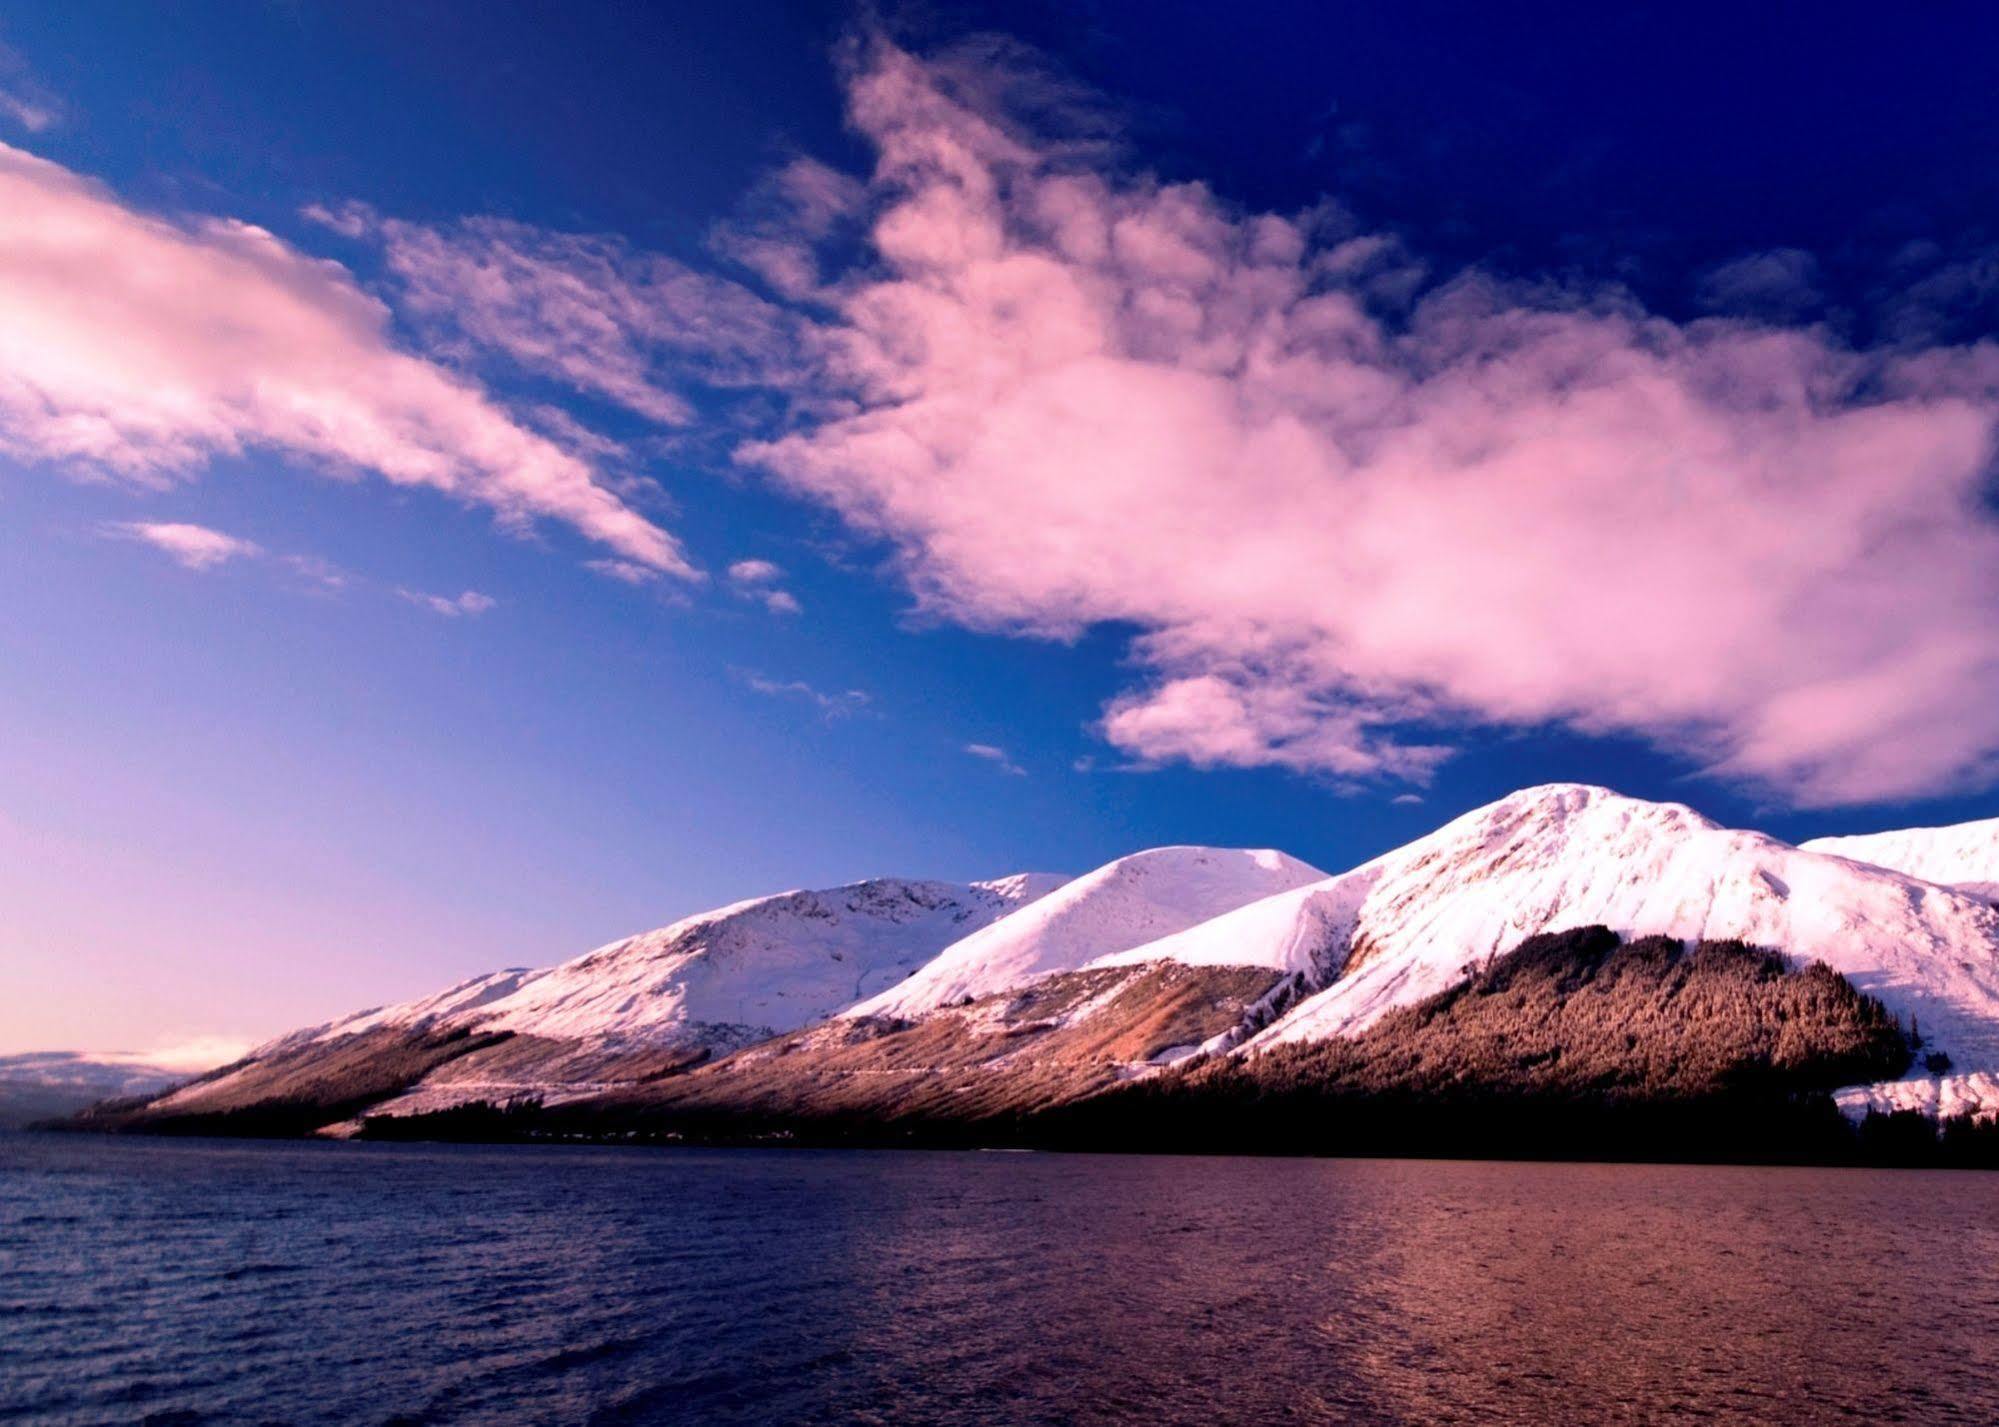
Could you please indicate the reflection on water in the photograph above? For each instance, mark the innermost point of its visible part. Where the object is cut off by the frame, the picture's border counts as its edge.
(204, 1282)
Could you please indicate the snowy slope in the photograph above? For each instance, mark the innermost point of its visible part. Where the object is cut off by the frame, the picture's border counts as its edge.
(1122, 904)
(759, 967)
(451, 1003)
(1304, 929)
(1413, 922)
(726, 976)
(1965, 856)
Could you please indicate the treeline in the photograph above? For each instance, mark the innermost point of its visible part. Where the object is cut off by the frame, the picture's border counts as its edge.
(297, 1091)
(1575, 1045)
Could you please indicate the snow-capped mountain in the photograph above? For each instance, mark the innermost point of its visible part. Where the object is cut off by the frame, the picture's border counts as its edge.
(1067, 985)
(747, 971)
(708, 983)
(1964, 856)
(1122, 904)
(1420, 919)
(737, 973)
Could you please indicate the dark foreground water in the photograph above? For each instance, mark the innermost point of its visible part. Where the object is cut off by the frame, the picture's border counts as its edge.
(193, 1282)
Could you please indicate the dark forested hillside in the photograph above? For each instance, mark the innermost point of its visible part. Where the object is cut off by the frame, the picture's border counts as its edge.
(1583, 1013)
(1573, 1042)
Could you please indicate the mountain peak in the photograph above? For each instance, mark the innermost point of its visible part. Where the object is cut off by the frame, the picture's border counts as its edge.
(1125, 903)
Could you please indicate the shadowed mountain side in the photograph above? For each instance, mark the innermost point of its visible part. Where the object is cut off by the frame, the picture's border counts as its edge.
(981, 1068)
(298, 1090)
(1573, 1044)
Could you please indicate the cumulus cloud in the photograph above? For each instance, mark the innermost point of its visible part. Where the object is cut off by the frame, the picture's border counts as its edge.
(451, 606)
(1351, 517)
(142, 347)
(992, 753)
(755, 572)
(195, 546)
(758, 580)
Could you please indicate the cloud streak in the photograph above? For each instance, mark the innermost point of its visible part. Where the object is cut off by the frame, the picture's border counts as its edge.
(142, 347)
(842, 704)
(997, 756)
(468, 604)
(1352, 516)
(201, 548)
(194, 546)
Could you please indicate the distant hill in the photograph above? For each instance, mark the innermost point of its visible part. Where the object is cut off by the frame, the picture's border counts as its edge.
(43, 1085)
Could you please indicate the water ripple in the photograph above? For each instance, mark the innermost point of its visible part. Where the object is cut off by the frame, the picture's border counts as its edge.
(213, 1282)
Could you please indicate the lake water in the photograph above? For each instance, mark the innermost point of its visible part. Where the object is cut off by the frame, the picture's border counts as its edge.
(197, 1282)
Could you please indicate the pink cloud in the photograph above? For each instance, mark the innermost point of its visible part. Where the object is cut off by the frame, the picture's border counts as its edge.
(997, 756)
(142, 347)
(843, 703)
(755, 572)
(1340, 506)
(451, 606)
(758, 580)
(587, 310)
(624, 571)
(23, 100)
(195, 546)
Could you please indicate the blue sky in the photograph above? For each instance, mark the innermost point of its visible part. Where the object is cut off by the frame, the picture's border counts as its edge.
(243, 794)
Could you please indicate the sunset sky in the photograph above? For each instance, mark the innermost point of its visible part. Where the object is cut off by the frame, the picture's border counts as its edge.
(476, 481)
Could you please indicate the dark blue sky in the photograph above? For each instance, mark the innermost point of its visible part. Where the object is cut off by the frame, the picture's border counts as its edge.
(319, 799)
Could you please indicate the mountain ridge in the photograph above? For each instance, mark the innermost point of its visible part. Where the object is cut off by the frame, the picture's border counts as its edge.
(972, 981)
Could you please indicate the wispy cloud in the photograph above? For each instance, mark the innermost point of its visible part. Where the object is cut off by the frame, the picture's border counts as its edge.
(587, 310)
(30, 114)
(624, 571)
(471, 602)
(318, 573)
(23, 99)
(139, 346)
(198, 547)
(842, 704)
(996, 756)
(1782, 285)
(195, 546)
